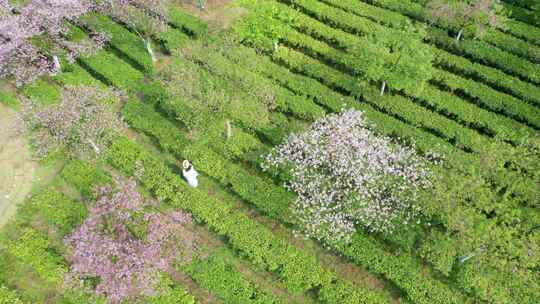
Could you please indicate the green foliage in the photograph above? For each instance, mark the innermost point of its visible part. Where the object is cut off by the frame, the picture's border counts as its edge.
(392, 18)
(489, 244)
(170, 293)
(487, 54)
(279, 128)
(172, 39)
(112, 70)
(260, 192)
(524, 31)
(401, 269)
(79, 296)
(443, 255)
(536, 13)
(190, 24)
(202, 99)
(74, 74)
(530, 4)
(398, 11)
(152, 92)
(143, 117)
(266, 93)
(260, 28)
(408, 67)
(432, 96)
(33, 248)
(324, 95)
(44, 44)
(9, 100)
(506, 287)
(493, 77)
(254, 189)
(84, 177)
(55, 209)
(21, 278)
(128, 43)
(75, 33)
(413, 113)
(492, 99)
(42, 91)
(8, 296)
(219, 276)
(400, 59)
(210, 163)
(203, 161)
(417, 11)
(238, 145)
(402, 279)
(340, 292)
(463, 225)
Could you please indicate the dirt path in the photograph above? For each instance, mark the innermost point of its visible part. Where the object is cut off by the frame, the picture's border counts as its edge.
(17, 169)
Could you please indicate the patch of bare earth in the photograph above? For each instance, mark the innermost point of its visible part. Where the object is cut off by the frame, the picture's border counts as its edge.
(17, 169)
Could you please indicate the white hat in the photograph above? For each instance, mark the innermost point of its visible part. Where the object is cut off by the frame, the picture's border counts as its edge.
(186, 164)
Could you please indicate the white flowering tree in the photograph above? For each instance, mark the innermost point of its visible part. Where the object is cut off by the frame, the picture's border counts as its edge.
(346, 176)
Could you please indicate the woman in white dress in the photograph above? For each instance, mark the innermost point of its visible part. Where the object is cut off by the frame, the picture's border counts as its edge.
(190, 174)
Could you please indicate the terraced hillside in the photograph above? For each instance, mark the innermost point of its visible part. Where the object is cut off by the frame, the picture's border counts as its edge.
(223, 96)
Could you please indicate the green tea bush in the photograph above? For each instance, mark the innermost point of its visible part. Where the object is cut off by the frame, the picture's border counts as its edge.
(8, 296)
(84, 177)
(55, 209)
(188, 23)
(216, 274)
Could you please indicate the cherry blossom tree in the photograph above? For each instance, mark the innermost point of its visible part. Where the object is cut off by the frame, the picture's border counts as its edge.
(126, 247)
(345, 175)
(81, 122)
(467, 15)
(20, 56)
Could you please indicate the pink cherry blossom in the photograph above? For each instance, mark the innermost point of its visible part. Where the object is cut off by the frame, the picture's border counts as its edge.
(127, 264)
(47, 19)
